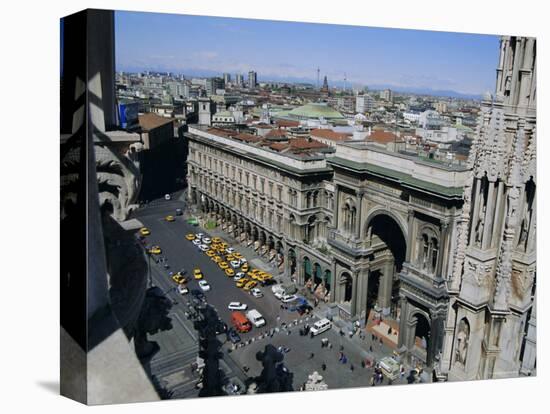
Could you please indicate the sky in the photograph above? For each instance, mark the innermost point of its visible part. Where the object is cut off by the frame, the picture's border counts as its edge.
(292, 51)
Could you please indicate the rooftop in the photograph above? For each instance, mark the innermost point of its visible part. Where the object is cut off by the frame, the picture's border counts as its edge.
(314, 111)
(151, 121)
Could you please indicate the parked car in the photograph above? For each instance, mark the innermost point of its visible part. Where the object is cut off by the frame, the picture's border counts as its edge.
(230, 250)
(197, 242)
(206, 240)
(239, 276)
(170, 218)
(197, 273)
(233, 336)
(288, 298)
(144, 231)
(256, 318)
(240, 322)
(179, 212)
(204, 247)
(235, 264)
(257, 293)
(204, 285)
(237, 306)
(190, 236)
(183, 290)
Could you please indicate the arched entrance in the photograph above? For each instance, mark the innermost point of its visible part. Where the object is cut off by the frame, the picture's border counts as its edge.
(328, 281)
(317, 274)
(422, 333)
(307, 269)
(387, 238)
(346, 288)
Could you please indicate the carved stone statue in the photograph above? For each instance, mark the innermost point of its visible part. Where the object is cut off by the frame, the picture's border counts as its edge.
(479, 227)
(462, 339)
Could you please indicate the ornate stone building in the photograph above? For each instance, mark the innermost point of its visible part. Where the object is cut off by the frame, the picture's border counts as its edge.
(281, 203)
(490, 329)
(395, 217)
(448, 251)
(492, 287)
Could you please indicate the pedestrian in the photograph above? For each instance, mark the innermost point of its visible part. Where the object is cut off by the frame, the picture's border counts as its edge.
(323, 366)
(341, 347)
(389, 330)
(312, 355)
(340, 356)
(363, 365)
(373, 337)
(330, 345)
(381, 341)
(370, 348)
(351, 367)
(372, 381)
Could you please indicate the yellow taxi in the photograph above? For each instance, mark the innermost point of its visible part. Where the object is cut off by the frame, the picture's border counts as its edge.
(155, 250)
(210, 253)
(179, 278)
(229, 272)
(242, 282)
(144, 231)
(238, 255)
(197, 273)
(170, 218)
(229, 257)
(224, 245)
(190, 236)
(216, 259)
(216, 240)
(223, 265)
(245, 267)
(264, 277)
(250, 285)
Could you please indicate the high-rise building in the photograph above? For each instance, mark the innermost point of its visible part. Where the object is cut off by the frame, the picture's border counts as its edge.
(227, 78)
(387, 95)
(213, 84)
(239, 80)
(364, 103)
(252, 79)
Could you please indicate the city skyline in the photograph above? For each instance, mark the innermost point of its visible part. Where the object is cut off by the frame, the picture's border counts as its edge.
(428, 61)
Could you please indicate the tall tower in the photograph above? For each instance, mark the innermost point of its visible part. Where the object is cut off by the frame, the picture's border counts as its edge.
(205, 111)
(492, 285)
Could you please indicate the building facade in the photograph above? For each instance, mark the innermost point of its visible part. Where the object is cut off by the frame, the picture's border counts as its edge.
(279, 203)
(491, 324)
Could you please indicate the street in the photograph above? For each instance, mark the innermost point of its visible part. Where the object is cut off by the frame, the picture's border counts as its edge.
(179, 346)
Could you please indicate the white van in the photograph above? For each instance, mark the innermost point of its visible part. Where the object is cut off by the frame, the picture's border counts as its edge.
(320, 327)
(256, 318)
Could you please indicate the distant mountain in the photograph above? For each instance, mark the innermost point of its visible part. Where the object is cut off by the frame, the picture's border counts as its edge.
(190, 73)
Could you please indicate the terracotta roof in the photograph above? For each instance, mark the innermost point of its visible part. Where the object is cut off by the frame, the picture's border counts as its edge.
(276, 133)
(279, 146)
(247, 137)
(285, 123)
(329, 134)
(383, 137)
(151, 121)
(304, 143)
(263, 126)
(221, 132)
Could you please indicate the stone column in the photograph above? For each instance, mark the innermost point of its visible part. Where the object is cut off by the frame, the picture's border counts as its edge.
(359, 214)
(443, 252)
(362, 285)
(334, 285)
(403, 316)
(497, 221)
(354, 277)
(489, 217)
(385, 288)
(410, 242)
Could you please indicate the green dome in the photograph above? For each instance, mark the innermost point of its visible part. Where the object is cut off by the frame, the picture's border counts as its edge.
(314, 111)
